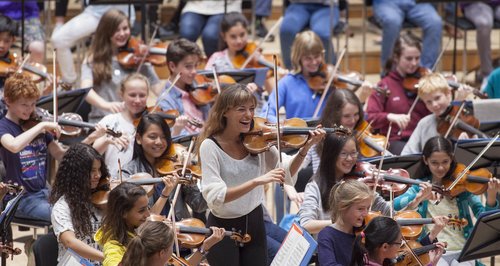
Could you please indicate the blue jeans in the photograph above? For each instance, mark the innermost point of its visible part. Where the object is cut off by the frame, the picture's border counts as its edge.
(263, 8)
(278, 199)
(391, 15)
(275, 236)
(193, 25)
(299, 16)
(35, 206)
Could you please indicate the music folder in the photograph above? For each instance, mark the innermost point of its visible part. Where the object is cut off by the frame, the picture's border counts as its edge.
(297, 248)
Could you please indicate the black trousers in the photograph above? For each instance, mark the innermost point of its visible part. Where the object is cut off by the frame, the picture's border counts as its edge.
(227, 252)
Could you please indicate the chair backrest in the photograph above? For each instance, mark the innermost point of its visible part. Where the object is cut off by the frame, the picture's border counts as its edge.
(46, 250)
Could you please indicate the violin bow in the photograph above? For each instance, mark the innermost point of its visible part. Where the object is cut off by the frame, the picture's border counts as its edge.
(25, 60)
(120, 170)
(411, 251)
(381, 163)
(454, 120)
(466, 169)
(165, 93)
(441, 55)
(143, 57)
(216, 79)
(54, 87)
(329, 83)
(251, 56)
(278, 131)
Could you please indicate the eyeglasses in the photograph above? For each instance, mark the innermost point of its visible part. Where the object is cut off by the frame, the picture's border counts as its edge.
(400, 244)
(344, 155)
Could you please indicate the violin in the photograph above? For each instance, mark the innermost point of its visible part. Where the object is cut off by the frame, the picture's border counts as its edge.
(405, 257)
(177, 261)
(256, 62)
(173, 163)
(168, 115)
(262, 135)
(370, 144)
(13, 187)
(203, 90)
(6, 249)
(71, 123)
(367, 173)
(191, 232)
(411, 222)
(475, 182)
(466, 122)
(350, 80)
(37, 72)
(129, 56)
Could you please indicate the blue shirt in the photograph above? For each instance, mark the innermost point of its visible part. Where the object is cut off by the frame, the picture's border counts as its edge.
(29, 166)
(296, 96)
(334, 247)
(493, 86)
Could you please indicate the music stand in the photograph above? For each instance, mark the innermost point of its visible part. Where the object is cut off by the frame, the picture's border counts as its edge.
(6, 218)
(408, 162)
(468, 149)
(248, 75)
(484, 240)
(490, 128)
(67, 102)
(184, 139)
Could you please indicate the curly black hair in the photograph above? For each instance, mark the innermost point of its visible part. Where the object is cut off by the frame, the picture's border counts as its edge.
(73, 182)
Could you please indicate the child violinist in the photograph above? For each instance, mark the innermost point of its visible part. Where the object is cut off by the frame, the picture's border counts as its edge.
(394, 107)
(127, 210)
(153, 245)
(101, 69)
(438, 164)
(74, 218)
(434, 91)
(153, 143)
(183, 57)
(24, 151)
(134, 92)
(8, 32)
(295, 94)
(350, 202)
(380, 242)
(233, 179)
(338, 157)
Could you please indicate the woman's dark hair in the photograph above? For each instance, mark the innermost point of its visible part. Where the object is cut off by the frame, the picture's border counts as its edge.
(73, 182)
(404, 40)
(332, 113)
(379, 231)
(151, 238)
(325, 177)
(435, 144)
(8, 25)
(144, 124)
(121, 200)
(228, 21)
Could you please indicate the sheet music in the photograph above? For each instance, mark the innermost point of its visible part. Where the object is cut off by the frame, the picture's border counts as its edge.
(292, 251)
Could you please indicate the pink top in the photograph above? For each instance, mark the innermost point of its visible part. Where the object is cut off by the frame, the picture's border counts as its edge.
(190, 110)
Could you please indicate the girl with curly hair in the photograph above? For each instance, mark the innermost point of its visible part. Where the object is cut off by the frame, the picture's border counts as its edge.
(74, 218)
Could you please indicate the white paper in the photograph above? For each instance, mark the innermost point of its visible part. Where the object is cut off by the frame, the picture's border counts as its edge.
(292, 251)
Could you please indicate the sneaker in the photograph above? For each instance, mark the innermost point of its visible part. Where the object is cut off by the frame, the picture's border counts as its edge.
(261, 31)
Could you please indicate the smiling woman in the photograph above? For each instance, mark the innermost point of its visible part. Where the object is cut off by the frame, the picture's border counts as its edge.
(233, 179)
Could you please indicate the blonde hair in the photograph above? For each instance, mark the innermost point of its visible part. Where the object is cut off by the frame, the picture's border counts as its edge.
(134, 76)
(232, 96)
(431, 83)
(346, 193)
(306, 43)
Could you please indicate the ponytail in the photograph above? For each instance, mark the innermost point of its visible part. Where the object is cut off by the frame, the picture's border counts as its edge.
(136, 253)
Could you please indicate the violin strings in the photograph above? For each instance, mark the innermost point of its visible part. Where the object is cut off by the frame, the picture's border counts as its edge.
(455, 119)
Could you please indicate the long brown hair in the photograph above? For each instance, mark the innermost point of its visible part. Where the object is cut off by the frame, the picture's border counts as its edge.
(101, 50)
(233, 96)
(306, 43)
(404, 40)
(151, 237)
(121, 200)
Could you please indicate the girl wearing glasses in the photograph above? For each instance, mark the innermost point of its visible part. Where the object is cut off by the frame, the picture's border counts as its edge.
(338, 158)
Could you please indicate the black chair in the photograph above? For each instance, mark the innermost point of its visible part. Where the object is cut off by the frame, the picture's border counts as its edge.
(32, 223)
(46, 250)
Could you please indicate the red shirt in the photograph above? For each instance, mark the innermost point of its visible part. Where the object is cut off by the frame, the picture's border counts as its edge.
(397, 102)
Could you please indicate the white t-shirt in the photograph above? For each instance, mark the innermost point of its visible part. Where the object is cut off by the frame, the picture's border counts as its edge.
(118, 123)
(62, 222)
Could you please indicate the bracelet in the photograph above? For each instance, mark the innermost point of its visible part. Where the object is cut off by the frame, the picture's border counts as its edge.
(203, 252)
(163, 196)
